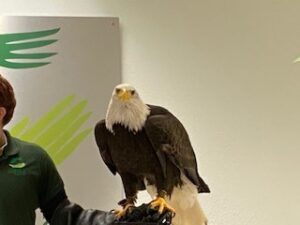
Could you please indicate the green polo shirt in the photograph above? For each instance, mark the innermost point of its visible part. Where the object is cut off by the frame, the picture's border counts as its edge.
(28, 179)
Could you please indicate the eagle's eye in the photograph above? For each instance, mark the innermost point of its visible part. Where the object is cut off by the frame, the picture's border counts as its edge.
(132, 92)
(118, 90)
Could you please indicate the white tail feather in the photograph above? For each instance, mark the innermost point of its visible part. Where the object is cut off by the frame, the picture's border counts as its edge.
(185, 202)
(190, 216)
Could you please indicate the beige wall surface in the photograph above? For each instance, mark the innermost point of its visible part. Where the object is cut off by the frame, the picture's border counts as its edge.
(225, 68)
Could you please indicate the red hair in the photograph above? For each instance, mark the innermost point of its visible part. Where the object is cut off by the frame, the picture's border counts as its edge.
(7, 99)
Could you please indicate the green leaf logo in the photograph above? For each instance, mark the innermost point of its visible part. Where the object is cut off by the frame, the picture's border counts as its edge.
(10, 43)
(59, 130)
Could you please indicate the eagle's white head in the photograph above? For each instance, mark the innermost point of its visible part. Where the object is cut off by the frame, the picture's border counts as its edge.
(126, 108)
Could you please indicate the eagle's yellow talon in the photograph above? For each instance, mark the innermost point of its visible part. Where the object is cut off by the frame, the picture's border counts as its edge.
(161, 204)
(122, 212)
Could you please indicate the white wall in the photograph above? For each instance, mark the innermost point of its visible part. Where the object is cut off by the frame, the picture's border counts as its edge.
(225, 69)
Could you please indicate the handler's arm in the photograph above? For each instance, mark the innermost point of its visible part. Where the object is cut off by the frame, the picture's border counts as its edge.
(56, 207)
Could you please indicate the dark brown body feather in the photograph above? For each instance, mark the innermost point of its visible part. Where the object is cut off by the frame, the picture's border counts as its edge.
(159, 153)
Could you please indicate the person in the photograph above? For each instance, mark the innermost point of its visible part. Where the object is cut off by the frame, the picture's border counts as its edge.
(30, 180)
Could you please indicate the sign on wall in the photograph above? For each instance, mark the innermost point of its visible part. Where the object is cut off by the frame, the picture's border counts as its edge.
(63, 70)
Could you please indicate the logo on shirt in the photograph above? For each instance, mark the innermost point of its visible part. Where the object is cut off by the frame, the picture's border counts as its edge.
(17, 164)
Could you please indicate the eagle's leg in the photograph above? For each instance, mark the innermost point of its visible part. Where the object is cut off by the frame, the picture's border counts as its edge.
(129, 184)
(160, 203)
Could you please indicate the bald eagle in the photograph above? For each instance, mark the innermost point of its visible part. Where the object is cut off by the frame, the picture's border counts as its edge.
(150, 149)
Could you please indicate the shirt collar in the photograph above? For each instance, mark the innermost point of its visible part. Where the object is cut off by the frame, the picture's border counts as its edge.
(11, 148)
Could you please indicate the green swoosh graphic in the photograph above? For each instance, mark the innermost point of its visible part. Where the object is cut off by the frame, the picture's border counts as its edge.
(58, 131)
(51, 133)
(23, 41)
(19, 127)
(61, 155)
(297, 60)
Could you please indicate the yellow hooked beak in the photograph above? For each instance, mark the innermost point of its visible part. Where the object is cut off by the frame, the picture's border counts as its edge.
(124, 95)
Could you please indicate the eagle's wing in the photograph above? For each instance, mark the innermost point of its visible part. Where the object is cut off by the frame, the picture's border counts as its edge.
(9, 43)
(167, 135)
(101, 137)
